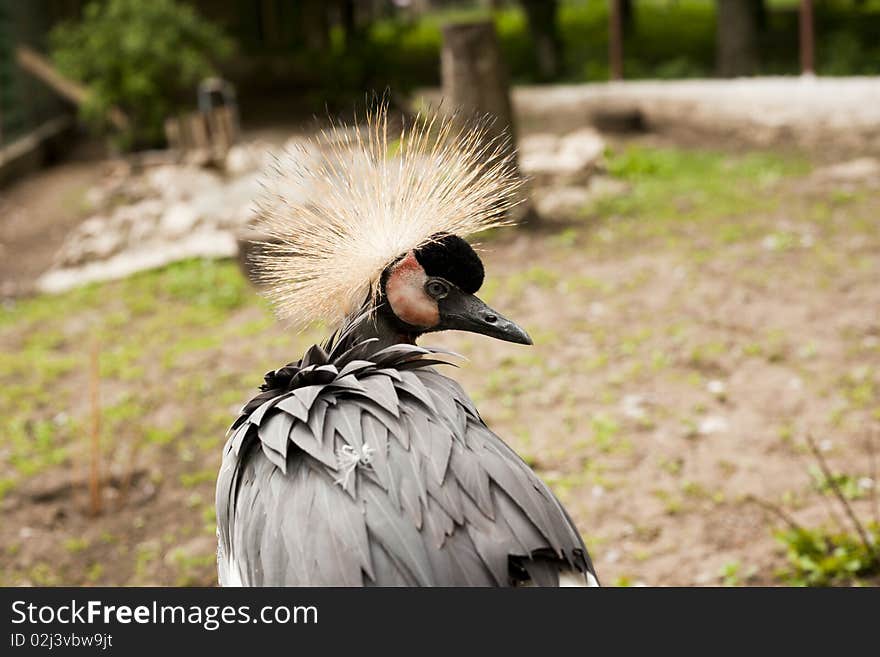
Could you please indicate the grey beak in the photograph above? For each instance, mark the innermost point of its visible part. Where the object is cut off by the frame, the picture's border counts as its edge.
(466, 312)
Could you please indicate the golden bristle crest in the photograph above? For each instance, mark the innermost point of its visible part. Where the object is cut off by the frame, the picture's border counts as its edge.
(339, 210)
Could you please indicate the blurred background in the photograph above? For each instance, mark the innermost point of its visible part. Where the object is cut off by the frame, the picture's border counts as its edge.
(697, 264)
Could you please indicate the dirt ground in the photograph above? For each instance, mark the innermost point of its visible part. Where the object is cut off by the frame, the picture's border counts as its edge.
(37, 213)
(688, 333)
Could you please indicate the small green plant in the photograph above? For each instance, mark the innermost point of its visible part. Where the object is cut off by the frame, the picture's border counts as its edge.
(141, 57)
(847, 484)
(822, 557)
(729, 573)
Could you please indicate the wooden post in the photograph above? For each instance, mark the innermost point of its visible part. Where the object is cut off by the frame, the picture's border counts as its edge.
(615, 41)
(808, 38)
(95, 501)
(475, 84)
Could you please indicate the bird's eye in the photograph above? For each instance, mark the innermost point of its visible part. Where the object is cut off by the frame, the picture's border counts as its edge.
(436, 289)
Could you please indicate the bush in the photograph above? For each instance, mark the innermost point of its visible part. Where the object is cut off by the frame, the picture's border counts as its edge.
(143, 57)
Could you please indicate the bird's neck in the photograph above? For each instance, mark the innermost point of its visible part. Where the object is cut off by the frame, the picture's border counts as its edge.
(383, 326)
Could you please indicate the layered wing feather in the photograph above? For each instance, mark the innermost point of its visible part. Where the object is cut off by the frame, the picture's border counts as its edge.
(375, 469)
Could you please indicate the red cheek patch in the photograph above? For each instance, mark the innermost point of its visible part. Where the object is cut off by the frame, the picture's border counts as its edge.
(405, 289)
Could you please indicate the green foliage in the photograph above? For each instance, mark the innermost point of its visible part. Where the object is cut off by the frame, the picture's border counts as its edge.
(668, 39)
(143, 57)
(845, 483)
(668, 184)
(821, 557)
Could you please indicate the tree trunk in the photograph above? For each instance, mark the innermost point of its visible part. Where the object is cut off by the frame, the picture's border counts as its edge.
(615, 40)
(314, 24)
(807, 38)
(348, 21)
(541, 15)
(627, 16)
(475, 84)
(737, 37)
(760, 15)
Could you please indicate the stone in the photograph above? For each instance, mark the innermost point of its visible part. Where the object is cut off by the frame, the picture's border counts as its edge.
(548, 155)
(541, 142)
(582, 147)
(178, 220)
(712, 424)
(633, 407)
(862, 169)
(174, 182)
(103, 244)
(239, 160)
(561, 200)
(573, 199)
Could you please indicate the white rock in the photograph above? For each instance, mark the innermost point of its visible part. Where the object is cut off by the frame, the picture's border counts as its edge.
(103, 245)
(602, 186)
(858, 170)
(175, 183)
(179, 219)
(92, 226)
(712, 424)
(562, 200)
(538, 143)
(633, 407)
(584, 146)
(717, 387)
(612, 556)
(576, 152)
(770, 242)
(240, 159)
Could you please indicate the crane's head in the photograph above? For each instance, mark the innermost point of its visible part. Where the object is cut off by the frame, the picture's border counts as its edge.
(369, 214)
(432, 288)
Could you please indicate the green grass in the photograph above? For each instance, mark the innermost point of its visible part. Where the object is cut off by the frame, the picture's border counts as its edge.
(673, 183)
(181, 348)
(152, 331)
(675, 195)
(823, 557)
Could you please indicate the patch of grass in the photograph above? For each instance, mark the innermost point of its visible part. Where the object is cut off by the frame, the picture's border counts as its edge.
(605, 430)
(191, 568)
(94, 572)
(35, 445)
(823, 557)
(669, 184)
(672, 502)
(164, 319)
(6, 485)
(849, 486)
(75, 544)
(192, 479)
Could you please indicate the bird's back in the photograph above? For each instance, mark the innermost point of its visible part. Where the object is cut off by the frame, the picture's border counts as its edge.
(367, 466)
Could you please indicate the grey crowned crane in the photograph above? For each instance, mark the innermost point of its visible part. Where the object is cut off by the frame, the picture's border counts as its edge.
(361, 464)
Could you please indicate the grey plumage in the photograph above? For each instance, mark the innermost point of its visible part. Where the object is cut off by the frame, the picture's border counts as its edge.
(367, 466)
